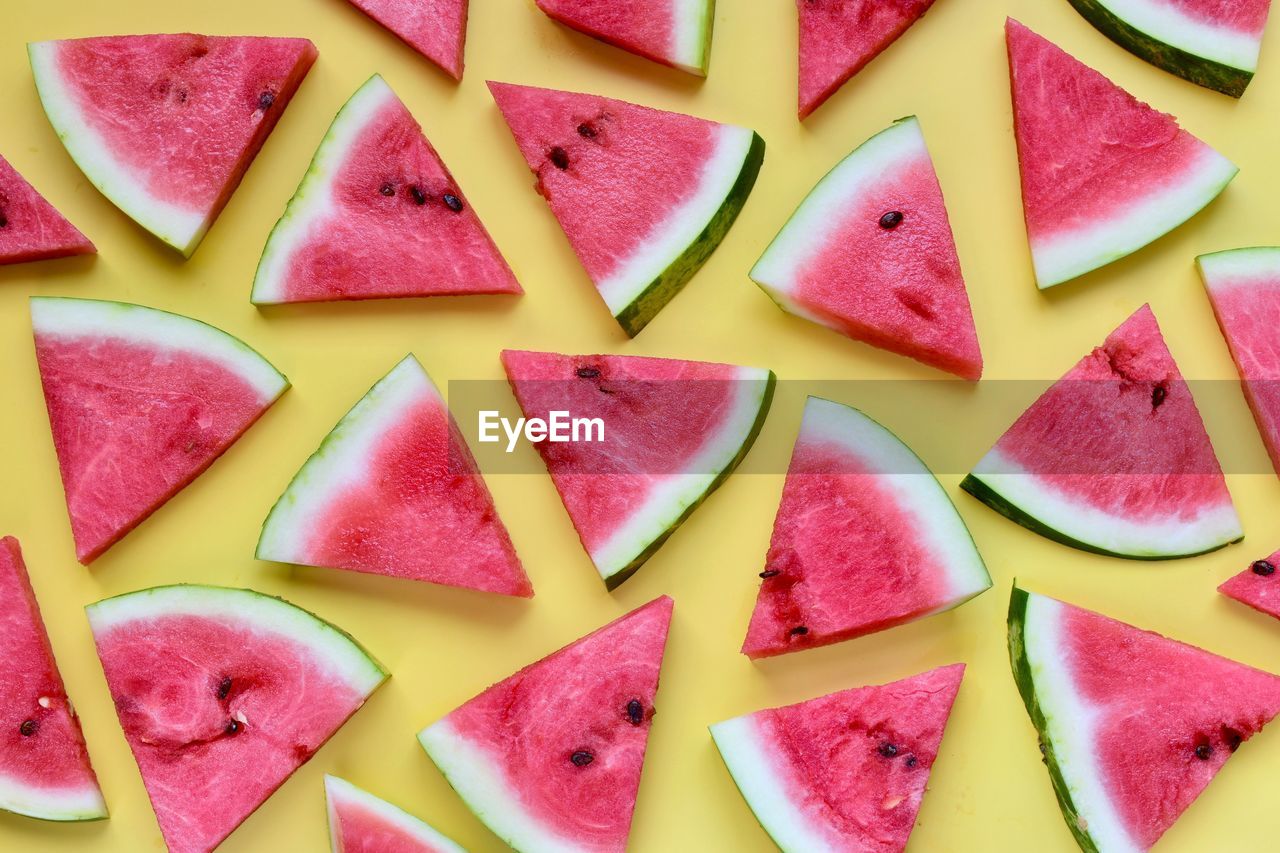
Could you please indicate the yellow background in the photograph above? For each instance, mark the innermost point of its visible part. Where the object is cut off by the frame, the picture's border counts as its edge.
(988, 790)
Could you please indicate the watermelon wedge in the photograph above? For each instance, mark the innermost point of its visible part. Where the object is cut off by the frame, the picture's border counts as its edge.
(1209, 42)
(140, 402)
(845, 771)
(1103, 174)
(44, 764)
(31, 229)
(222, 694)
(1257, 586)
(644, 196)
(865, 539)
(1244, 289)
(1114, 457)
(377, 215)
(1132, 725)
(673, 432)
(166, 125)
(672, 32)
(437, 29)
(394, 490)
(869, 253)
(839, 37)
(359, 822)
(550, 758)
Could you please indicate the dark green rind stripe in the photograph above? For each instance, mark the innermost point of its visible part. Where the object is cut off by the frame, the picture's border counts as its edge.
(1000, 504)
(1204, 72)
(615, 580)
(1027, 687)
(637, 314)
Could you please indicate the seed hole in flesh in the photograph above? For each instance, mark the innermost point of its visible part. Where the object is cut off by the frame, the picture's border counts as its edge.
(1263, 567)
(3, 221)
(224, 687)
(770, 573)
(586, 130)
(1203, 751)
(891, 220)
(559, 157)
(588, 372)
(418, 195)
(1232, 738)
(387, 190)
(635, 712)
(453, 202)
(887, 749)
(1158, 394)
(799, 631)
(265, 100)
(28, 728)
(581, 758)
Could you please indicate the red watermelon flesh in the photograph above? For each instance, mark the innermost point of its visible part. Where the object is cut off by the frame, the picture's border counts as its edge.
(1257, 586)
(44, 765)
(551, 757)
(359, 822)
(839, 37)
(673, 32)
(30, 228)
(1241, 16)
(845, 771)
(437, 29)
(378, 215)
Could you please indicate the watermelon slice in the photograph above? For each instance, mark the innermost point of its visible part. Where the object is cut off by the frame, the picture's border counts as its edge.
(1257, 586)
(31, 229)
(865, 539)
(378, 214)
(1210, 42)
(166, 125)
(550, 758)
(394, 490)
(673, 32)
(44, 765)
(1132, 725)
(869, 253)
(1103, 174)
(222, 694)
(1114, 457)
(359, 822)
(673, 432)
(839, 37)
(140, 402)
(643, 195)
(1244, 288)
(845, 771)
(437, 29)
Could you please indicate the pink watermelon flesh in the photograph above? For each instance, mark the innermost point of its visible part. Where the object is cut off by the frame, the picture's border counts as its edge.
(594, 696)
(358, 828)
(1241, 16)
(643, 27)
(42, 749)
(839, 37)
(30, 228)
(1257, 586)
(437, 29)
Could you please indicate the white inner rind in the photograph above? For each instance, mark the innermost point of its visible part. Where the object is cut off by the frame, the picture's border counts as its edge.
(333, 651)
(180, 227)
(1162, 537)
(474, 774)
(342, 460)
(689, 29)
(26, 798)
(1165, 22)
(1070, 723)
(671, 495)
(72, 319)
(1067, 254)
(313, 202)
(1239, 267)
(684, 225)
(339, 791)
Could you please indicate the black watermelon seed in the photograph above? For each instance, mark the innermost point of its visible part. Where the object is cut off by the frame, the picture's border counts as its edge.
(888, 750)
(387, 190)
(233, 727)
(3, 220)
(911, 761)
(799, 631)
(1203, 751)
(1233, 738)
(28, 728)
(770, 573)
(582, 758)
(265, 100)
(586, 130)
(418, 195)
(559, 158)
(588, 372)
(891, 220)
(1263, 567)
(1158, 394)
(453, 202)
(635, 712)
(224, 687)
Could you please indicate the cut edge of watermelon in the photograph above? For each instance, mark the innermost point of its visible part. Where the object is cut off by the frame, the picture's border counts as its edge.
(74, 318)
(693, 26)
(1222, 270)
(668, 505)
(61, 805)
(1212, 56)
(337, 789)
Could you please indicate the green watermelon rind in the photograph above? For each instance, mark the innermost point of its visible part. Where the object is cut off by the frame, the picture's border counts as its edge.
(431, 838)
(701, 36)
(1219, 76)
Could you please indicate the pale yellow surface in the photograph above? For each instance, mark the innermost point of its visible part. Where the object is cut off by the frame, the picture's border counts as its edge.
(989, 791)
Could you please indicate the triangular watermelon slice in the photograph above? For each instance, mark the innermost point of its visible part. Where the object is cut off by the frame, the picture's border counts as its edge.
(222, 694)
(1103, 174)
(673, 431)
(31, 229)
(1244, 289)
(394, 490)
(140, 402)
(869, 253)
(644, 196)
(1132, 725)
(376, 215)
(865, 539)
(1257, 586)
(359, 822)
(437, 29)
(673, 32)
(1114, 457)
(44, 764)
(550, 758)
(845, 771)
(166, 125)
